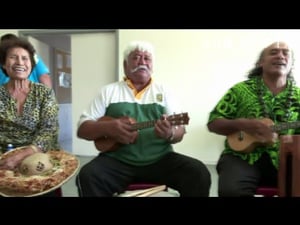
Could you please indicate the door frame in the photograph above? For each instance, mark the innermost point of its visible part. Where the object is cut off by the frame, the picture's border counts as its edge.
(25, 33)
(79, 144)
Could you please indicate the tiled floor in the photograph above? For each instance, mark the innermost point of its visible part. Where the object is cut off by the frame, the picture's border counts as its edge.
(70, 189)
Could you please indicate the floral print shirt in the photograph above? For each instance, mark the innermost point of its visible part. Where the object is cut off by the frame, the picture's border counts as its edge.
(37, 124)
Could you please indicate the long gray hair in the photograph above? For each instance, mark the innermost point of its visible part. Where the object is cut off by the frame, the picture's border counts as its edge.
(258, 70)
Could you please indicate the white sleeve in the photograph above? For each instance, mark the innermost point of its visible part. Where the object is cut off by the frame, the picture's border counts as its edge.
(95, 110)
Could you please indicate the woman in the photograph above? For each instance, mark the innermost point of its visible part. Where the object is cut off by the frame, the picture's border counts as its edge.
(29, 111)
(40, 72)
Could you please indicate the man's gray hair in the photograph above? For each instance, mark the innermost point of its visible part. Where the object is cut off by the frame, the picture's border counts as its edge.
(140, 46)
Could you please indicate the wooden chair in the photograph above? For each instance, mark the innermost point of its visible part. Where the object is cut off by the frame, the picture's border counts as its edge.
(146, 190)
(266, 191)
(137, 186)
(289, 166)
(58, 192)
(54, 193)
(289, 169)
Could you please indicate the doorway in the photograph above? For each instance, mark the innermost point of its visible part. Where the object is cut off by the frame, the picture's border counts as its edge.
(59, 54)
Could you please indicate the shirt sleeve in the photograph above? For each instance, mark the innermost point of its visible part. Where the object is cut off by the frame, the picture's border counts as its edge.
(3, 78)
(39, 69)
(96, 108)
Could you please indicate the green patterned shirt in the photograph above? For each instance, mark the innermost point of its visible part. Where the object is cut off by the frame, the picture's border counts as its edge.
(242, 101)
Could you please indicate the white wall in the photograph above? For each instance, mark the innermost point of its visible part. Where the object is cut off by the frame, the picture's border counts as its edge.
(93, 65)
(4, 31)
(201, 65)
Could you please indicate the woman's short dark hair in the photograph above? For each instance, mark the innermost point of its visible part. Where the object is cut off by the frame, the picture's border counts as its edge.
(8, 44)
(8, 36)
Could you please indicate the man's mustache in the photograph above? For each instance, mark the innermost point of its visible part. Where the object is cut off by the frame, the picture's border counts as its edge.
(139, 68)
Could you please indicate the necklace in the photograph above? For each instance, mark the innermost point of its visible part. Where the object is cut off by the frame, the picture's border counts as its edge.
(285, 107)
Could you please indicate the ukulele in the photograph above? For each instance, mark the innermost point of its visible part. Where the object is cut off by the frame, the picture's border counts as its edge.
(243, 142)
(105, 144)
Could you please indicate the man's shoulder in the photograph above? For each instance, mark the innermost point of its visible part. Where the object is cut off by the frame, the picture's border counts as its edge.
(3, 77)
(39, 60)
(39, 69)
(243, 83)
